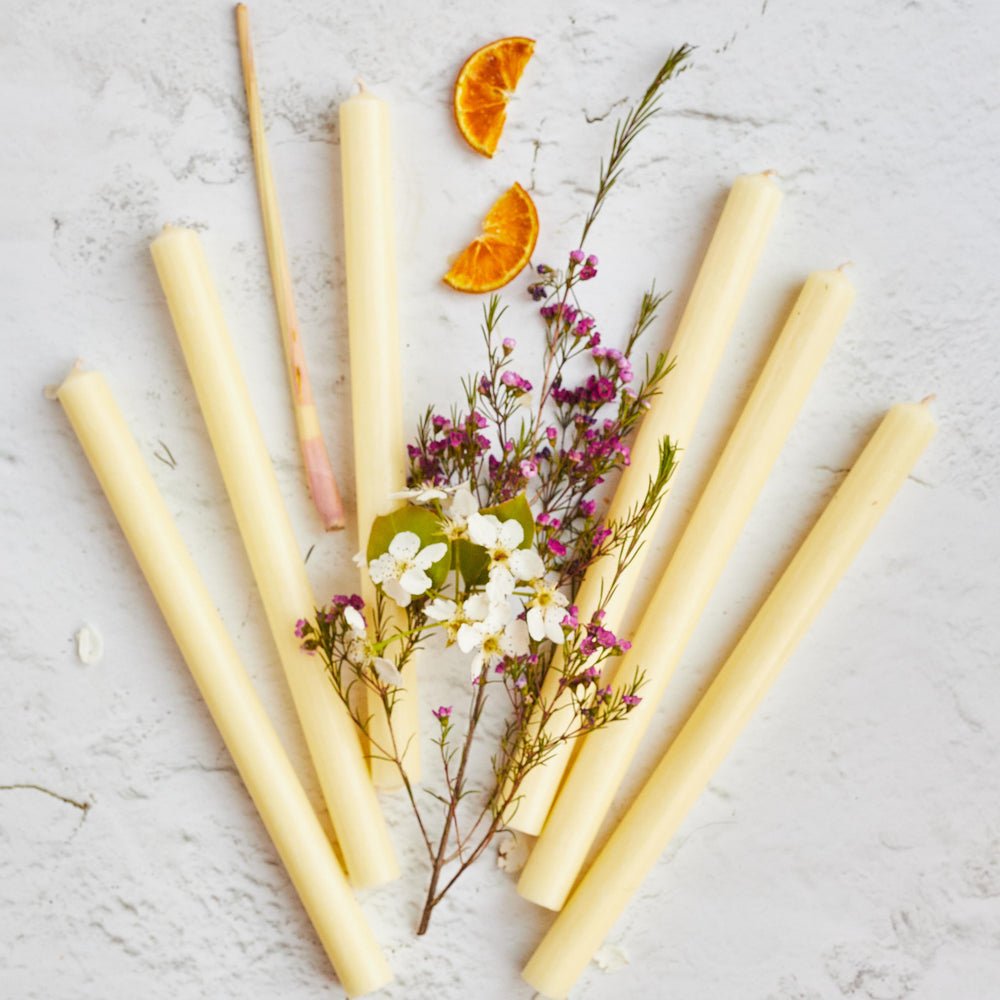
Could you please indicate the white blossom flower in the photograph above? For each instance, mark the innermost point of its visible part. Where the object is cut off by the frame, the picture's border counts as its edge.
(546, 612)
(501, 540)
(500, 586)
(493, 638)
(451, 615)
(353, 618)
(441, 609)
(477, 607)
(463, 505)
(386, 672)
(401, 570)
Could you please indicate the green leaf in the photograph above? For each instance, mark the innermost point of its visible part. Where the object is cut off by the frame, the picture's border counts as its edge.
(425, 524)
(473, 560)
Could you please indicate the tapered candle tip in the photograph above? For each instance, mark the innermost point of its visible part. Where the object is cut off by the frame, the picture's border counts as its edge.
(52, 391)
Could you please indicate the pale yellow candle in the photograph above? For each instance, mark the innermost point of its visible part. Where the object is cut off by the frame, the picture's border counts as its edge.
(273, 552)
(376, 390)
(696, 350)
(731, 700)
(223, 682)
(684, 589)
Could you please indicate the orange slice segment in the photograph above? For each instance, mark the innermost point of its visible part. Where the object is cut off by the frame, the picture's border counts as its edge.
(505, 246)
(483, 88)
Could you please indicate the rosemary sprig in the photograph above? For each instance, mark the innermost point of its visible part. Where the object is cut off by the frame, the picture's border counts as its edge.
(629, 127)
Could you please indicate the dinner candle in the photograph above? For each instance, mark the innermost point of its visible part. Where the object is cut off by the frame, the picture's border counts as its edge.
(731, 700)
(215, 665)
(376, 390)
(684, 589)
(274, 556)
(695, 354)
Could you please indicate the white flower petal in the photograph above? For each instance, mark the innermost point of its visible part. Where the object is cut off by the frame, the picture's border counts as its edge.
(404, 545)
(514, 641)
(553, 625)
(469, 637)
(476, 608)
(394, 590)
(501, 585)
(414, 580)
(536, 624)
(463, 505)
(353, 618)
(498, 616)
(89, 645)
(527, 564)
(511, 534)
(430, 554)
(477, 665)
(441, 609)
(386, 672)
(382, 568)
(484, 529)
(359, 559)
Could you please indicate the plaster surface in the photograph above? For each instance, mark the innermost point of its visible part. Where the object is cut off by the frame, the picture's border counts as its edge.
(850, 844)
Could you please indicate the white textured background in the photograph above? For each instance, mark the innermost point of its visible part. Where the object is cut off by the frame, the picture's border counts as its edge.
(850, 845)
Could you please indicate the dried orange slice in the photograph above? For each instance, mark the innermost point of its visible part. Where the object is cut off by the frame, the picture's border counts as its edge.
(499, 254)
(483, 88)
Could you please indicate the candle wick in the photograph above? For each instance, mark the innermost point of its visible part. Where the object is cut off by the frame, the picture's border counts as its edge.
(770, 173)
(928, 399)
(361, 85)
(848, 263)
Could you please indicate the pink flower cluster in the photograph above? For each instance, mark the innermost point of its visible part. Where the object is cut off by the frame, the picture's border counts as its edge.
(448, 441)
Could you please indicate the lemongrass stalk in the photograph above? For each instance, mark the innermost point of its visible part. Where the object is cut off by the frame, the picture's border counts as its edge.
(322, 484)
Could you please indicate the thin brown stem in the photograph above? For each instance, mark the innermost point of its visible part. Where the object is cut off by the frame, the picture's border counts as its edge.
(433, 897)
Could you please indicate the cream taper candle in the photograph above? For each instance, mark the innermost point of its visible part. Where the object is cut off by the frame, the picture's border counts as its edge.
(695, 353)
(215, 665)
(376, 390)
(273, 552)
(680, 597)
(731, 700)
